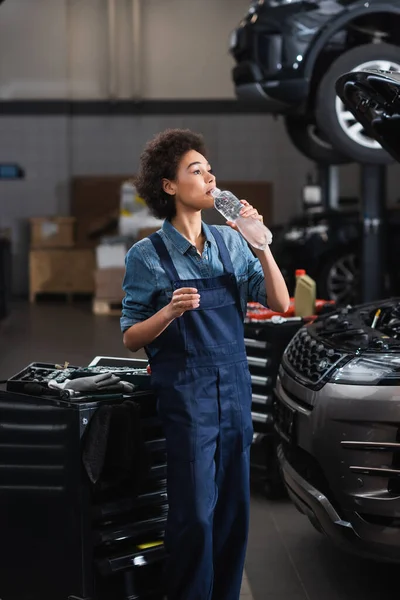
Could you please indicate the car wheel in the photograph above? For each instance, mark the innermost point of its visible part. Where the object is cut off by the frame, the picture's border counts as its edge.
(338, 124)
(306, 136)
(340, 279)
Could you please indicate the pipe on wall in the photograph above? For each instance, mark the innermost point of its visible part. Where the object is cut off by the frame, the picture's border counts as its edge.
(112, 49)
(136, 74)
(68, 61)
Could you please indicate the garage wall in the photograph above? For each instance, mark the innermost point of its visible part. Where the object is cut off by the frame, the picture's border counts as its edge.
(33, 49)
(60, 49)
(195, 60)
(53, 149)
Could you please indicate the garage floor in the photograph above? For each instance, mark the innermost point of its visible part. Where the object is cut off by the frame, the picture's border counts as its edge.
(287, 559)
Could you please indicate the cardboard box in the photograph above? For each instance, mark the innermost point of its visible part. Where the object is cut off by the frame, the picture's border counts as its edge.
(146, 231)
(95, 203)
(6, 234)
(52, 232)
(108, 284)
(110, 256)
(55, 271)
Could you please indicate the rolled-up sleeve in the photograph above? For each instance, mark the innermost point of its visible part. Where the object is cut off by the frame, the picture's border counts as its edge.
(255, 277)
(139, 287)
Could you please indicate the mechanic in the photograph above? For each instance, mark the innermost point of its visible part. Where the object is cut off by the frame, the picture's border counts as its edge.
(186, 289)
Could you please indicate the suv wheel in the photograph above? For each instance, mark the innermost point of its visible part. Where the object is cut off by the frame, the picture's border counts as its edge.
(310, 141)
(338, 124)
(339, 279)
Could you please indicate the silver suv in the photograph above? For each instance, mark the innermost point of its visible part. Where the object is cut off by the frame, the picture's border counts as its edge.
(338, 415)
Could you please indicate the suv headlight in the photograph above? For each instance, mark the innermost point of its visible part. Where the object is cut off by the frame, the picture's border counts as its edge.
(369, 370)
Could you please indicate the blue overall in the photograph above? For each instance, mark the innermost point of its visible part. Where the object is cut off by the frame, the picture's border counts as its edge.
(201, 377)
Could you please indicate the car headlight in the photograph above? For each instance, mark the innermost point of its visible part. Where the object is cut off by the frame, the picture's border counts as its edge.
(370, 370)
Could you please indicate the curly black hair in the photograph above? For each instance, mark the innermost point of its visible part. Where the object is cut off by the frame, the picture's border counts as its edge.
(160, 160)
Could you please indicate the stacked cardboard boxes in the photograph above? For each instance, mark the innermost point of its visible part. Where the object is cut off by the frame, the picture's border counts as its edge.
(96, 203)
(110, 271)
(56, 265)
(109, 275)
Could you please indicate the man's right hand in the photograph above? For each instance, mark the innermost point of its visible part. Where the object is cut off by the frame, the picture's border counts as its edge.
(182, 300)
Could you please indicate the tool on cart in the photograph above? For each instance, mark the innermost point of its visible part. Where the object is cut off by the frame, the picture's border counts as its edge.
(78, 382)
(102, 383)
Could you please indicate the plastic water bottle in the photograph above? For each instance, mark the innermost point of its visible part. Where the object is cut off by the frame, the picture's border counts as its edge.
(252, 230)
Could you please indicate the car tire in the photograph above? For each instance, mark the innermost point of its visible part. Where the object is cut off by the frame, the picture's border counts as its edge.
(340, 277)
(338, 125)
(310, 141)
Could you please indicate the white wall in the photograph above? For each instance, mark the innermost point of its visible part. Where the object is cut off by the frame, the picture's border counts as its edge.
(185, 47)
(86, 47)
(60, 48)
(33, 57)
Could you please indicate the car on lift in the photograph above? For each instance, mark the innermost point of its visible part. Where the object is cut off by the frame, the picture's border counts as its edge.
(289, 54)
(328, 245)
(337, 409)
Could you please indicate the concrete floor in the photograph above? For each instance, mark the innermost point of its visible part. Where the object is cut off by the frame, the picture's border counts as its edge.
(287, 559)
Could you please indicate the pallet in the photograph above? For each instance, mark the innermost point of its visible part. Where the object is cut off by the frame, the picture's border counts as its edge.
(67, 297)
(66, 272)
(111, 308)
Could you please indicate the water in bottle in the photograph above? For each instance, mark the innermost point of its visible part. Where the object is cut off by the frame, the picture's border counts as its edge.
(252, 230)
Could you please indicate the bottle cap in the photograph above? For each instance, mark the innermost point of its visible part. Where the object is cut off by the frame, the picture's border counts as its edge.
(300, 272)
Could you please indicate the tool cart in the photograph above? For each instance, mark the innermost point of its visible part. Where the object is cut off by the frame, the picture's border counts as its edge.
(64, 536)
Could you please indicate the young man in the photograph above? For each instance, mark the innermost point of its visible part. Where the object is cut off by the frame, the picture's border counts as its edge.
(186, 288)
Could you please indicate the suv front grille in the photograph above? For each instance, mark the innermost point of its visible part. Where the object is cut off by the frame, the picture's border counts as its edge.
(310, 360)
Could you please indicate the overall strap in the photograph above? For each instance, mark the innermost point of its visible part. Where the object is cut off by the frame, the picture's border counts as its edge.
(165, 258)
(227, 263)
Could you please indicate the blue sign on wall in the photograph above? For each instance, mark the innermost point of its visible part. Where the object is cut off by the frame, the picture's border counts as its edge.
(11, 171)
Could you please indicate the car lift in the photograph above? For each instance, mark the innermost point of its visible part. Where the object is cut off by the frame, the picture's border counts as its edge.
(373, 194)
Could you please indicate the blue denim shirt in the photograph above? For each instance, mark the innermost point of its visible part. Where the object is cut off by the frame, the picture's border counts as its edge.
(148, 289)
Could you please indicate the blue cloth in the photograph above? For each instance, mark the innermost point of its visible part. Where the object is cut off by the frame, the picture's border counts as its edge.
(202, 381)
(148, 288)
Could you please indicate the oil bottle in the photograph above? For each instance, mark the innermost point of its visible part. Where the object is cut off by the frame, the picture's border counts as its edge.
(305, 294)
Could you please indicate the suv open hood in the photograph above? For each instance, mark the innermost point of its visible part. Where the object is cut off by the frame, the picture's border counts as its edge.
(373, 97)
